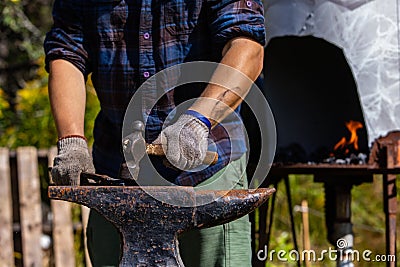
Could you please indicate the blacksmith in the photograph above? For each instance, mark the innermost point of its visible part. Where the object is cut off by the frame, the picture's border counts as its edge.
(121, 44)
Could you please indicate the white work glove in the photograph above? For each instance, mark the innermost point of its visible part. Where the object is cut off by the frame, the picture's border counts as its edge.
(72, 159)
(185, 142)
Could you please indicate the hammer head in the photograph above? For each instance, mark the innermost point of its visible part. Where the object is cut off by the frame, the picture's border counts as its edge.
(134, 147)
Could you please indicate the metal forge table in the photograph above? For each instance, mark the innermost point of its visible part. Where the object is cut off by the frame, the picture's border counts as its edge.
(338, 180)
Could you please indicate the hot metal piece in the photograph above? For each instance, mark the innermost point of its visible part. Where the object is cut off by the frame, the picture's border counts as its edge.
(149, 227)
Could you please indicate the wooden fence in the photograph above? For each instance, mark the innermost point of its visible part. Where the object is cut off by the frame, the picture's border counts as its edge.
(25, 225)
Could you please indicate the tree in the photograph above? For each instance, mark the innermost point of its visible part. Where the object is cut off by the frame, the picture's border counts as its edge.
(25, 115)
(23, 24)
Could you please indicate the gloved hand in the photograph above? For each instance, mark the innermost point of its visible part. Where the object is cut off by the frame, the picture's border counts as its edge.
(72, 159)
(185, 142)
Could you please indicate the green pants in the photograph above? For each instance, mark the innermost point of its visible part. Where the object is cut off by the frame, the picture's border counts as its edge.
(227, 245)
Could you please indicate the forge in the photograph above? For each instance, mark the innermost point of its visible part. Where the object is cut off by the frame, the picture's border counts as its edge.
(315, 98)
(312, 93)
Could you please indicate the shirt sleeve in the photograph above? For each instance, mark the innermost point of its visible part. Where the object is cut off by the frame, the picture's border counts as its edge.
(65, 38)
(237, 18)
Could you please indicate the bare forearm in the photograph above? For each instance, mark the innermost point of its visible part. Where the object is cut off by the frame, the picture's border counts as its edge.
(67, 97)
(243, 56)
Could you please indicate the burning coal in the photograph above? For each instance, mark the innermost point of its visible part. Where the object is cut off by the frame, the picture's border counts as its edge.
(346, 150)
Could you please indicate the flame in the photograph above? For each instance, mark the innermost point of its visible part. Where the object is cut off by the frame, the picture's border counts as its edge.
(352, 126)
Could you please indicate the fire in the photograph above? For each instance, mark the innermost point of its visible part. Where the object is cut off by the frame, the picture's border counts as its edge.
(352, 126)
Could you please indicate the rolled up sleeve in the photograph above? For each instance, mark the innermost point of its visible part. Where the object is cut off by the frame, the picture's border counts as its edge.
(65, 39)
(237, 18)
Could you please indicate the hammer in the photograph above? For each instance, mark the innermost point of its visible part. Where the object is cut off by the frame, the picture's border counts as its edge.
(135, 147)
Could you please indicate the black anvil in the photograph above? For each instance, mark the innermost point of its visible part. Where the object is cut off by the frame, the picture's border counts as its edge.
(149, 224)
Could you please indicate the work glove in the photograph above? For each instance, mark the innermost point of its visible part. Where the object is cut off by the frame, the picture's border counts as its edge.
(72, 159)
(185, 142)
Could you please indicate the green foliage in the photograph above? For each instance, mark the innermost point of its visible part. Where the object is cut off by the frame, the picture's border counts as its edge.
(32, 123)
(92, 108)
(23, 25)
(21, 28)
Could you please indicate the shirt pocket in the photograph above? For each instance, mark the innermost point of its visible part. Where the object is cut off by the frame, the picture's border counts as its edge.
(180, 16)
(110, 19)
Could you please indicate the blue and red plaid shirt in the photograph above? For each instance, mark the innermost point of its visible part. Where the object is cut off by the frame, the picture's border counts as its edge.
(123, 43)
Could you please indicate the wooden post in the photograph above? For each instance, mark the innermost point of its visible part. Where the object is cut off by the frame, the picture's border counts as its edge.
(30, 205)
(63, 235)
(386, 154)
(390, 197)
(85, 217)
(306, 230)
(6, 221)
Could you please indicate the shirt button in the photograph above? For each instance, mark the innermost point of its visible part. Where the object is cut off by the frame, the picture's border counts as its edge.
(248, 3)
(146, 35)
(146, 74)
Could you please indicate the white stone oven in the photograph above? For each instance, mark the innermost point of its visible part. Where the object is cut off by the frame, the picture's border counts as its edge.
(368, 33)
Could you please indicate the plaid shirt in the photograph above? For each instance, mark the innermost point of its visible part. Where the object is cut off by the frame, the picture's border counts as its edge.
(123, 43)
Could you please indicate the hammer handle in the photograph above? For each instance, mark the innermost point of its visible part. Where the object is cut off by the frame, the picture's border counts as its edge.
(157, 150)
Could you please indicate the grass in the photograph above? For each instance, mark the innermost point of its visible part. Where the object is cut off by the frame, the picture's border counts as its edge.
(368, 220)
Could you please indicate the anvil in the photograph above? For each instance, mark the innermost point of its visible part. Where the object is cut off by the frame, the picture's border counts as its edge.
(149, 224)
